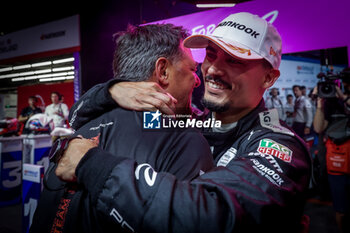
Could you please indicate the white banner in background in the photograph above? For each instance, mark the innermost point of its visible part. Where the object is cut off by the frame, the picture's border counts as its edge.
(298, 72)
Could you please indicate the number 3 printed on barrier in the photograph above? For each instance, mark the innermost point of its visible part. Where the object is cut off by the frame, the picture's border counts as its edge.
(15, 172)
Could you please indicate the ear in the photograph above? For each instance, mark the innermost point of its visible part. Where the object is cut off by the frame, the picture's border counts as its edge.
(270, 78)
(161, 68)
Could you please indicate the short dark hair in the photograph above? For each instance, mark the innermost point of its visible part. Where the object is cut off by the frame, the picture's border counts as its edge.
(139, 47)
(289, 95)
(56, 93)
(296, 86)
(33, 98)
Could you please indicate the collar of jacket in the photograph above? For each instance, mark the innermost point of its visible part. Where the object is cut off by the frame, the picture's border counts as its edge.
(243, 125)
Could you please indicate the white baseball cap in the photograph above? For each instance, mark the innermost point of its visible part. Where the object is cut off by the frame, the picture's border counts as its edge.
(245, 36)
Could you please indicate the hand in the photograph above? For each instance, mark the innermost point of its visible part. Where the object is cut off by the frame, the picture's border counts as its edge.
(307, 130)
(339, 93)
(319, 101)
(75, 151)
(59, 114)
(143, 96)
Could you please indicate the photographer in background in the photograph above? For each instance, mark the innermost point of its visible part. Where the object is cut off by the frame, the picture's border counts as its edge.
(331, 121)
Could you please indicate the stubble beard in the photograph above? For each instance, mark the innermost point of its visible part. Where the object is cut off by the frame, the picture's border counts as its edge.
(215, 107)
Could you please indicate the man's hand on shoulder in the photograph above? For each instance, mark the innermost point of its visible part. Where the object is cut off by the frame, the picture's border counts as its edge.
(143, 96)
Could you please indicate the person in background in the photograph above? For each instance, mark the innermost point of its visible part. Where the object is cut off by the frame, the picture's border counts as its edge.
(302, 115)
(263, 168)
(309, 97)
(313, 101)
(303, 91)
(289, 109)
(29, 111)
(57, 111)
(332, 123)
(61, 98)
(274, 101)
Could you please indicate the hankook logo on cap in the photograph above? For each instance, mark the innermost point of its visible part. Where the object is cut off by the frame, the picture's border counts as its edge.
(238, 26)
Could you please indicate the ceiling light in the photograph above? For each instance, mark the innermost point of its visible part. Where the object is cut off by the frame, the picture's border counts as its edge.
(6, 69)
(17, 79)
(211, 5)
(21, 67)
(56, 74)
(31, 77)
(24, 78)
(63, 68)
(25, 73)
(63, 60)
(42, 71)
(63, 73)
(71, 73)
(45, 63)
(16, 74)
(56, 79)
(52, 79)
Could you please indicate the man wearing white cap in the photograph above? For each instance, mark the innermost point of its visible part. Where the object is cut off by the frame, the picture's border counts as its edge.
(263, 169)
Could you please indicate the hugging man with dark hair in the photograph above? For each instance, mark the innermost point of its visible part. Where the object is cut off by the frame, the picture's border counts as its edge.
(155, 51)
(263, 168)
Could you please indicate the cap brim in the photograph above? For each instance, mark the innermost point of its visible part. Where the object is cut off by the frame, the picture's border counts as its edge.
(233, 48)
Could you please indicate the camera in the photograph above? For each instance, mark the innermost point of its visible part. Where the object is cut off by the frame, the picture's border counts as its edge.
(326, 87)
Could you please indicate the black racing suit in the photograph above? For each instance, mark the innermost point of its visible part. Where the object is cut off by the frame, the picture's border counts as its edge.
(259, 184)
(182, 152)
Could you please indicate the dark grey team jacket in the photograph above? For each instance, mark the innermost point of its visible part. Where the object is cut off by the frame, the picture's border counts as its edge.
(259, 184)
(182, 152)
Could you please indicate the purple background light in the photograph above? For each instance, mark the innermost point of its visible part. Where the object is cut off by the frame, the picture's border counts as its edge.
(304, 25)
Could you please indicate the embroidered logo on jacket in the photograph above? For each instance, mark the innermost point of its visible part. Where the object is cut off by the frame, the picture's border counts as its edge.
(270, 120)
(74, 116)
(60, 218)
(102, 125)
(149, 175)
(227, 157)
(267, 172)
(270, 147)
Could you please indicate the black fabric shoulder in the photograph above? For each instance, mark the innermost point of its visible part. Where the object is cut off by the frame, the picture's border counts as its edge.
(92, 104)
(188, 154)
